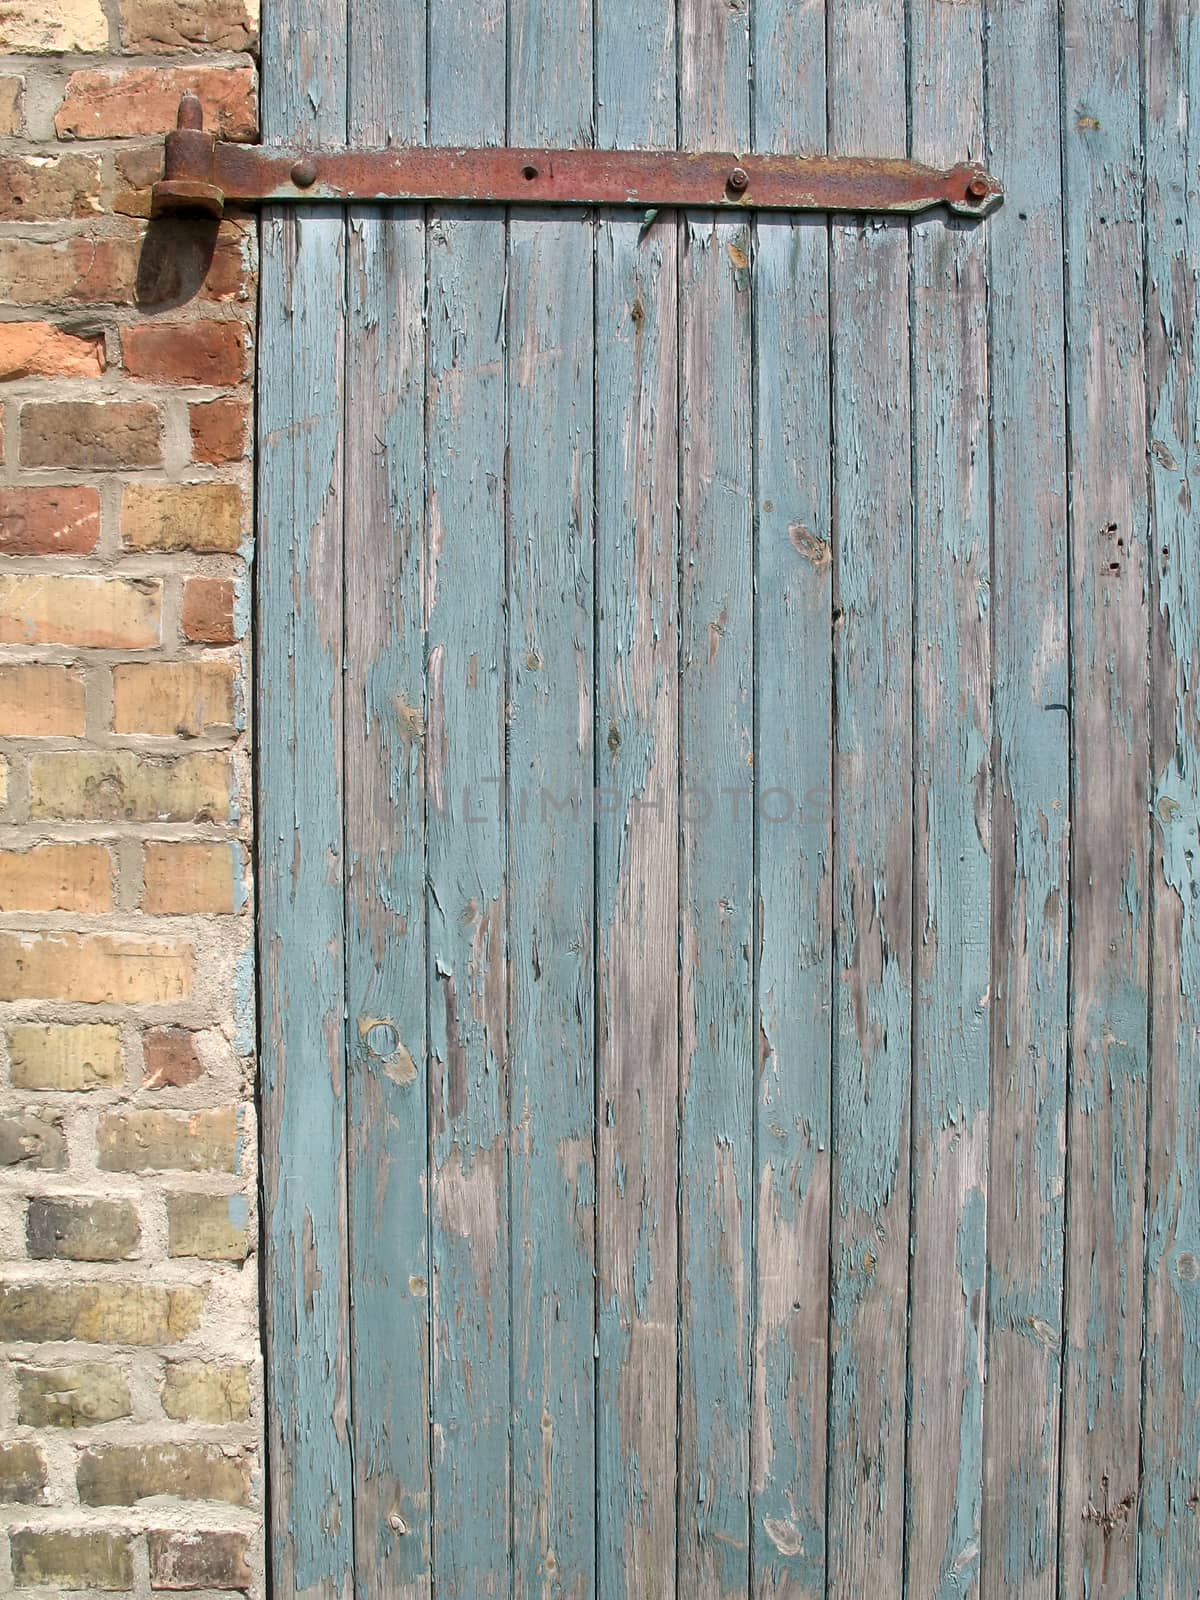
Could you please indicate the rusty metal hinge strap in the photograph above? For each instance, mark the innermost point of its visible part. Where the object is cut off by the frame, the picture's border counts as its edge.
(202, 174)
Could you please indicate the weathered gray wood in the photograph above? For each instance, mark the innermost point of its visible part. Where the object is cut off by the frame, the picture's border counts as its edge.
(551, 854)
(385, 900)
(300, 831)
(952, 760)
(793, 761)
(637, 879)
(1106, 1132)
(464, 594)
(384, 693)
(872, 547)
(716, 829)
(643, 519)
(1030, 810)
(1169, 1554)
(302, 938)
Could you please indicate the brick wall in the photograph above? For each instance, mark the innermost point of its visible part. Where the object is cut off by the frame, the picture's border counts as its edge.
(130, 1403)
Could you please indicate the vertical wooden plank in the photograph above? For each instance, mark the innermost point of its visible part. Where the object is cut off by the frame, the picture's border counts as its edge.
(1170, 1526)
(385, 833)
(637, 883)
(300, 791)
(793, 760)
(550, 857)
(1106, 1132)
(716, 828)
(1030, 809)
(465, 600)
(385, 858)
(872, 823)
(952, 761)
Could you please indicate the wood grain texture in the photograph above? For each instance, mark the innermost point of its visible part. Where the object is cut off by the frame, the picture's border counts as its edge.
(300, 830)
(1031, 804)
(716, 829)
(1169, 1553)
(550, 884)
(952, 871)
(385, 900)
(302, 932)
(793, 775)
(637, 880)
(1110, 574)
(872, 825)
(385, 759)
(677, 1178)
(464, 597)
(551, 854)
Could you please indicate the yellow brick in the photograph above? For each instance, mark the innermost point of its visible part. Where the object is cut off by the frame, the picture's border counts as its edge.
(99, 1313)
(114, 968)
(62, 1057)
(53, 1559)
(190, 516)
(196, 875)
(108, 613)
(76, 1396)
(170, 1141)
(52, 26)
(203, 1391)
(118, 785)
(37, 702)
(121, 1475)
(56, 877)
(177, 698)
(211, 1226)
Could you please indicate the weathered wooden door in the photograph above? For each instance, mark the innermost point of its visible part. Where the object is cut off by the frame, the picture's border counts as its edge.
(728, 819)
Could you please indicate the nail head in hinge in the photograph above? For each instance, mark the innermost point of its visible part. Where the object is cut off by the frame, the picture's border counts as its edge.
(202, 173)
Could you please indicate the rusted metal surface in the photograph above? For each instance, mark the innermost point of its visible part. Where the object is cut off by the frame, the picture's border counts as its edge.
(202, 174)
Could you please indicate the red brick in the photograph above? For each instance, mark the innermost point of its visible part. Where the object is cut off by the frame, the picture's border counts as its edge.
(41, 350)
(114, 433)
(208, 611)
(136, 167)
(171, 1058)
(220, 430)
(230, 274)
(153, 27)
(186, 352)
(199, 1561)
(76, 271)
(126, 102)
(40, 188)
(171, 265)
(49, 522)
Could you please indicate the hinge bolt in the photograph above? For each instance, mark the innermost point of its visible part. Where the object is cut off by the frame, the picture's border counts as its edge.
(979, 188)
(191, 111)
(739, 179)
(304, 173)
